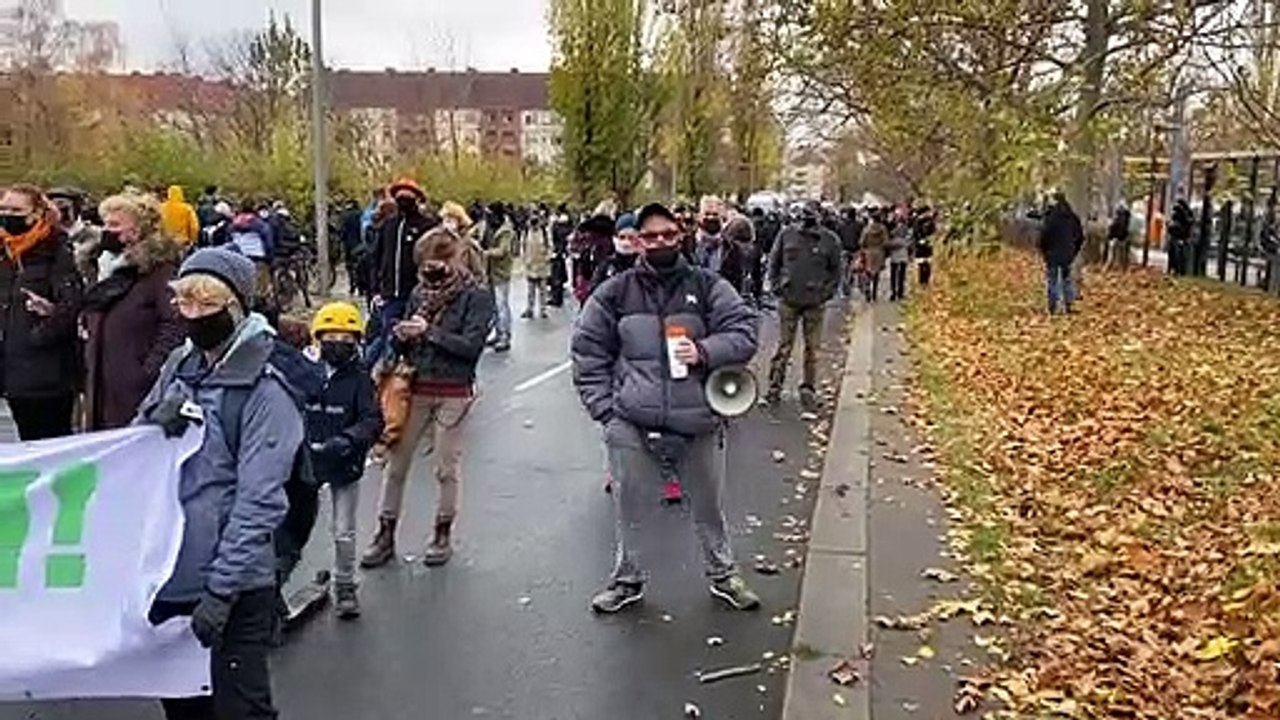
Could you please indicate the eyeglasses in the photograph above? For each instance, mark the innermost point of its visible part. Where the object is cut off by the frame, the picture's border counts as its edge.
(650, 236)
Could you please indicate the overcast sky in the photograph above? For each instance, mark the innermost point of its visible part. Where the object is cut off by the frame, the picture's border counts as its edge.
(365, 34)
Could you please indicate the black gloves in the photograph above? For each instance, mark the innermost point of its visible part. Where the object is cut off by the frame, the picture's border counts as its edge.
(174, 414)
(209, 619)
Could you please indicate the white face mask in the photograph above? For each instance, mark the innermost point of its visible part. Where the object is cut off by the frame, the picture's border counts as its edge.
(451, 224)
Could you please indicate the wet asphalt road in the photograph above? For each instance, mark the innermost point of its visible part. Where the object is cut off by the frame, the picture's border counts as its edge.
(504, 630)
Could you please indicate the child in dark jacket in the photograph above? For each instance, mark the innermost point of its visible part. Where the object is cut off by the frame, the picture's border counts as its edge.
(342, 425)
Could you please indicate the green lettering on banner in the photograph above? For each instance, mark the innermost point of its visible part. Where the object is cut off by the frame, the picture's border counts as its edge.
(73, 486)
(15, 522)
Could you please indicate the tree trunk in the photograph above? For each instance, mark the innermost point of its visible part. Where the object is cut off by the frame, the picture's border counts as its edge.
(1083, 147)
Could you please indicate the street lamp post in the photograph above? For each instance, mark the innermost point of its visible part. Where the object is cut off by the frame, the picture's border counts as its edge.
(319, 138)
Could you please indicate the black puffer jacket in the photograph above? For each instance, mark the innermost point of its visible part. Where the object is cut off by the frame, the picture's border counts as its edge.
(40, 356)
(619, 347)
(449, 352)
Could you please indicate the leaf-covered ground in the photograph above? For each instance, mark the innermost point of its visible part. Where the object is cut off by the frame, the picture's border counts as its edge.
(1113, 478)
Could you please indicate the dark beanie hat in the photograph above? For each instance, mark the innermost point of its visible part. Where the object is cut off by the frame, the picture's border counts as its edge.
(233, 269)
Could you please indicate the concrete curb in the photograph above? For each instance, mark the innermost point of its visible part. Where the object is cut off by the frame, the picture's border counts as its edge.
(832, 619)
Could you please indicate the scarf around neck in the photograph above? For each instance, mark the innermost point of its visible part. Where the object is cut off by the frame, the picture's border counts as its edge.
(434, 298)
(16, 246)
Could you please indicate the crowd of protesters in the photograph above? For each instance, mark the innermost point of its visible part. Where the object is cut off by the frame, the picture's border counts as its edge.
(135, 309)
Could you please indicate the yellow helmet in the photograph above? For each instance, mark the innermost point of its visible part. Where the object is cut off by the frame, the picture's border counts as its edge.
(337, 317)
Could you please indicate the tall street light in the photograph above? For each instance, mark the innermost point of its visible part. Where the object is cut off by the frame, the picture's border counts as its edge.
(319, 139)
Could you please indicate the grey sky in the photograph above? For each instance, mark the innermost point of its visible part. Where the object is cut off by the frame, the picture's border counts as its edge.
(485, 34)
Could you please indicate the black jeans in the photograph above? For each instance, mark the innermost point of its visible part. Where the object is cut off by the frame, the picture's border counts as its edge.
(925, 271)
(897, 280)
(41, 418)
(240, 671)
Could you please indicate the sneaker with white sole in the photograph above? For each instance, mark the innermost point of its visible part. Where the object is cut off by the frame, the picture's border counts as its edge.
(617, 597)
(734, 592)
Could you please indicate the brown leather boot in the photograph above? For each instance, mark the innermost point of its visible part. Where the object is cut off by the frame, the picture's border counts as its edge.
(440, 549)
(383, 546)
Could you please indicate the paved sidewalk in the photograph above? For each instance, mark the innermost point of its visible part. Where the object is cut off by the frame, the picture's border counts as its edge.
(876, 559)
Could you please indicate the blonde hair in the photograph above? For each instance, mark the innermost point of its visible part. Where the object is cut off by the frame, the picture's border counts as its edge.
(144, 210)
(153, 246)
(453, 210)
(206, 290)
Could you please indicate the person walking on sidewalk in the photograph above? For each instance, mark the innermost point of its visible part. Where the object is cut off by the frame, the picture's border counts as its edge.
(1061, 238)
(804, 271)
(899, 247)
(875, 240)
(342, 426)
(442, 337)
(642, 348)
(498, 240)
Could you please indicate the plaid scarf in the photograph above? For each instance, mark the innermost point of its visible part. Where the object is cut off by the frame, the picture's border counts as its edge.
(433, 298)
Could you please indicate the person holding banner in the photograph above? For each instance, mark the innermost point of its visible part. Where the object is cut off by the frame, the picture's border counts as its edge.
(39, 299)
(233, 489)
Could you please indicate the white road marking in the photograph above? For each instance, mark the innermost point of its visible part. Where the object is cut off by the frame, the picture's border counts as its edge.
(540, 378)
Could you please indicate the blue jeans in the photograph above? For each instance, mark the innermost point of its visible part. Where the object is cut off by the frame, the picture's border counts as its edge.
(391, 312)
(1061, 289)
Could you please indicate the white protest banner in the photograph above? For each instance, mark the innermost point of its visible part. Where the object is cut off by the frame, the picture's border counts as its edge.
(90, 528)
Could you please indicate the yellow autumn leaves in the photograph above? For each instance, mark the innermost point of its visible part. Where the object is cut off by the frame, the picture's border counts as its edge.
(1111, 480)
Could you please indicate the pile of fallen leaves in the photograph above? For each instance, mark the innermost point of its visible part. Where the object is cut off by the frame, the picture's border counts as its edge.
(1112, 477)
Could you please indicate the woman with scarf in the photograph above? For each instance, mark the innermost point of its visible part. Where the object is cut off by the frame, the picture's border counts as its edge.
(442, 336)
(39, 298)
(128, 320)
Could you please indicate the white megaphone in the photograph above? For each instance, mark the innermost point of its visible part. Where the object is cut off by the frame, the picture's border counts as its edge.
(732, 391)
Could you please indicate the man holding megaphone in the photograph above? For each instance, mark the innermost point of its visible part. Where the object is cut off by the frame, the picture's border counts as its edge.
(645, 344)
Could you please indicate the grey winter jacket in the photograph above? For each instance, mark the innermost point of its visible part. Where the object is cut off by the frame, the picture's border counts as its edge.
(804, 266)
(899, 245)
(232, 505)
(620, 364)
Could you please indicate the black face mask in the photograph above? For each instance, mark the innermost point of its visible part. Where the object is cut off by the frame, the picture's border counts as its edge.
(210, 331)
(15, 224)
(407, 205)
(810, 221)
(337, 353)
(712, 227)
(662, 258)
(111, 242)
(435, 275)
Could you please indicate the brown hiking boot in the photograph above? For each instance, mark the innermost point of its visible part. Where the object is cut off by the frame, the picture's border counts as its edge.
(440, 549)
(383, 546)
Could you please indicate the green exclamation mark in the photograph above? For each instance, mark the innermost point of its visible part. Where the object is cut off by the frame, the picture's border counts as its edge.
(73, 487)
(15, 522)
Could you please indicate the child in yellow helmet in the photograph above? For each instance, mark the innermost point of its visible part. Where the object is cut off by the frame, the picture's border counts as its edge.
(342, 426)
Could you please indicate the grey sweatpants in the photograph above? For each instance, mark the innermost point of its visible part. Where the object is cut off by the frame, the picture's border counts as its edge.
(637, 482)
